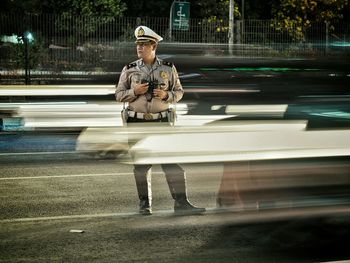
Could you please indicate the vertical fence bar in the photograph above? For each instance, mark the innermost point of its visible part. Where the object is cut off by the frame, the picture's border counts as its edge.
(327, 36)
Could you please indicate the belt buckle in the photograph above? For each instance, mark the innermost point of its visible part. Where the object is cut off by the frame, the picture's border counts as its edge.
(148, 116)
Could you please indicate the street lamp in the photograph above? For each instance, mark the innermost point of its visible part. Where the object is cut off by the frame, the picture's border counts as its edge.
(243, 10)
(242, 21)
(27, 38)
(231, 25)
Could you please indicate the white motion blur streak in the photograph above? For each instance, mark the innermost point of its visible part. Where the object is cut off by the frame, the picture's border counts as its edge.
(98, 114)
(116, 139)
(56, 90)
(276, 110)
(70, 115)
(240, 146)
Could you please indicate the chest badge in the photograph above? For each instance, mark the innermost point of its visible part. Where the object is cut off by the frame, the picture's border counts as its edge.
(164, 75)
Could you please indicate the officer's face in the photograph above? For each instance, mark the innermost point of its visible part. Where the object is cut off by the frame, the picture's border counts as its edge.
(145, 50)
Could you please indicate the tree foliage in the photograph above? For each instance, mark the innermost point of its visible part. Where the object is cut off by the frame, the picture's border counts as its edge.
(83, 16)
(100, 8)
(113, 8)
(292, 16)
(91, 14)
(146, 8)
(296, 16)
(257, 9)
(210, 9)
(293, 10)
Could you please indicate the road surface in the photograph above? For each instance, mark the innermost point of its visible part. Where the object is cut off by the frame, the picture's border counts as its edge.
(70, 208)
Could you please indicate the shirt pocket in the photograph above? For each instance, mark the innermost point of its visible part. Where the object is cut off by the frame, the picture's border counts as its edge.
(135, 78)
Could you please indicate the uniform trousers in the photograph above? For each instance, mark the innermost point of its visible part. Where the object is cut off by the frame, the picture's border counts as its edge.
(175, 175)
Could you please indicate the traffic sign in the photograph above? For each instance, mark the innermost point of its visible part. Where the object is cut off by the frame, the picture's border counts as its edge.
(180, 15)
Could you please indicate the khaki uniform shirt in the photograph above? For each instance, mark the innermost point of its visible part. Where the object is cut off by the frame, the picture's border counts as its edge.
(162, 72)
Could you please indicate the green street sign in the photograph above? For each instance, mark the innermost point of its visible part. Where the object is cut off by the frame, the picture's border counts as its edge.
(180, 15)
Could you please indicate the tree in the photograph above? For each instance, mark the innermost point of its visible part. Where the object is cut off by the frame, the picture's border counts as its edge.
(97, 13)
(257, 9)
(145, 8)
(161, 8)
(296, 16)
(99, 8)
(210, 9)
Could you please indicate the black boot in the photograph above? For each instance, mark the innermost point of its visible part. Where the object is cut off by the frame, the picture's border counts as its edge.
(183, 206)
(176, 179)
(142, 175)
(145, 208)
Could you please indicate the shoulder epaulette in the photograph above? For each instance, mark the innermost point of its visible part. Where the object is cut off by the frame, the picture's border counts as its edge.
(166, 63)
(131, 65)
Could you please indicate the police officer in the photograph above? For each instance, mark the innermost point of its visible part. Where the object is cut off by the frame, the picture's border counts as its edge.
(149, 85)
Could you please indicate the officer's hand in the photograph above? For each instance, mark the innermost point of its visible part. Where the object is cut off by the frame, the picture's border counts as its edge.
(140, 89)
(160, 94)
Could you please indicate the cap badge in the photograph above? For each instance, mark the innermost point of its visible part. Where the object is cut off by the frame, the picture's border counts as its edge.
(141, 32)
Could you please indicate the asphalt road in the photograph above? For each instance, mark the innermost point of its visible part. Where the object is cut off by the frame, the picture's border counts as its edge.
(45, 197)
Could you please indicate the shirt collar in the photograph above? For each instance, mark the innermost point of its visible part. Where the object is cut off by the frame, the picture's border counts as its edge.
(157, 62)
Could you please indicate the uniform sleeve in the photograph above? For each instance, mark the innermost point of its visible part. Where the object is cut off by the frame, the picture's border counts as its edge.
(124, 92)
(176, 91)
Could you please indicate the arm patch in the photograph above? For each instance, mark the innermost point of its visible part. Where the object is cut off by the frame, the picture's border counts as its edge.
(166, 63)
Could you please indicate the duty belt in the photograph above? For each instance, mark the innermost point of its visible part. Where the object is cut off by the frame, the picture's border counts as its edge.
(147, 116)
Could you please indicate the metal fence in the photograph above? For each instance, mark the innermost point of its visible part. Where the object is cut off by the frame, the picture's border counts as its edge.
(84, 43)
(320, 39)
